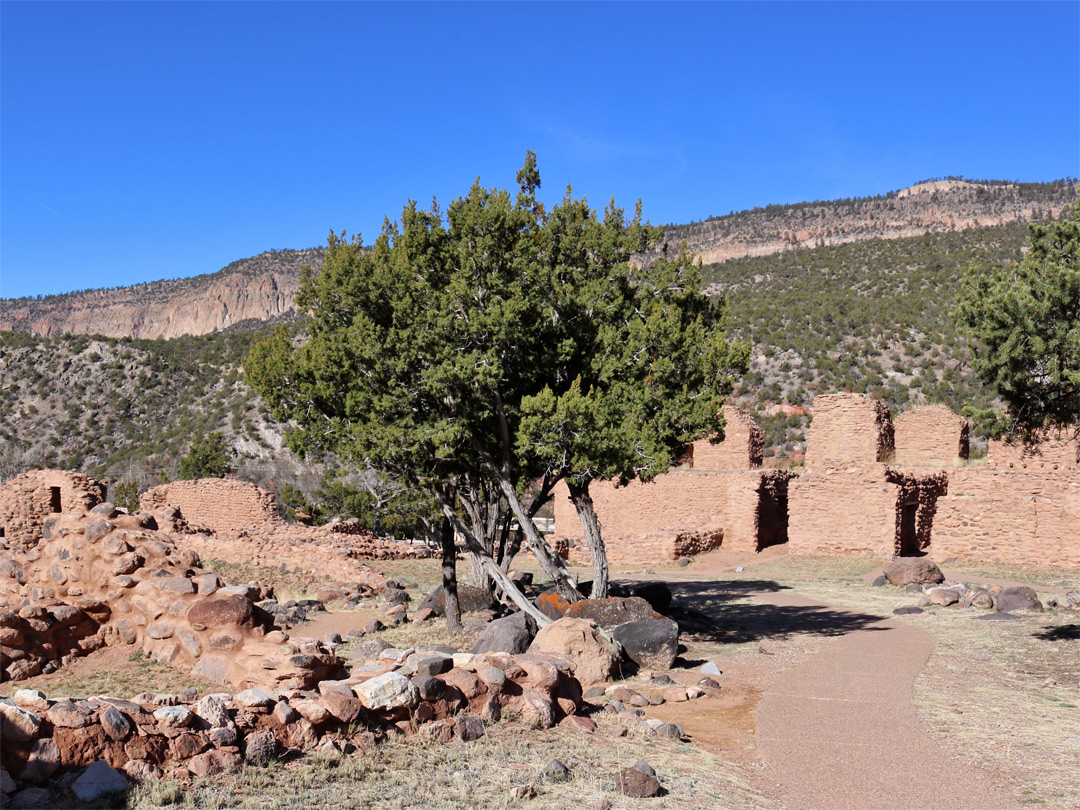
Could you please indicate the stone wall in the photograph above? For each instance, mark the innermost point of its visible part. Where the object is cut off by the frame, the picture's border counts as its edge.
(220, 504)
(108, 578)
(1055, 454)
(933, 435)
(26, 501)
(849, 427)
(845, 508)
(740, 450)
(1016, 517)
(685, 511)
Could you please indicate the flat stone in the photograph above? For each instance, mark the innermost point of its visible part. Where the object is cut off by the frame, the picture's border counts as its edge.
(32, 699)
(68, 714)
(253, 698)
(43, 761)
(173, 716)
(97, 780)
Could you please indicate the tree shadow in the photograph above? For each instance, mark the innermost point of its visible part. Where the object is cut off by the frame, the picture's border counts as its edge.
(1066, 632)
(721, 612)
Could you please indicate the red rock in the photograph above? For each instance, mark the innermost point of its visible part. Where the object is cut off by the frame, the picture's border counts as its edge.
(229, 611)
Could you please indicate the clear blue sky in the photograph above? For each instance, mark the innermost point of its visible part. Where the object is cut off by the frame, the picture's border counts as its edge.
(154, 140)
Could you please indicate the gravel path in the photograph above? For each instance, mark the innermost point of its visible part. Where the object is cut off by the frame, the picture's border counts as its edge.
(838, 732)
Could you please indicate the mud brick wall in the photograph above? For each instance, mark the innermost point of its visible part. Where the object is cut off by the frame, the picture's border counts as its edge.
(667, 518)
(930, 436)
(1049, 456)
(1023, 517)
(26, 501)
(849, 427)
(221, 504)
(842, 509)
(740, 450)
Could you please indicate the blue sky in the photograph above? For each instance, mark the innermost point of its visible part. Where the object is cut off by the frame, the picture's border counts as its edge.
(155, 140)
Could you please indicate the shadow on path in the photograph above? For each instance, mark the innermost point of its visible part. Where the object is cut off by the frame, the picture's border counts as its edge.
(720, 611)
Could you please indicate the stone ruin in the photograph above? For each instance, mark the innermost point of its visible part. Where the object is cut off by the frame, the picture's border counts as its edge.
(869, 486)
(719, 495)
(28, 500)
(218, 504)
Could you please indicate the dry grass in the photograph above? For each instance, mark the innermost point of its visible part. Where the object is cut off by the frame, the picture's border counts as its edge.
(116, 671)
(286, 584)
(478, 774)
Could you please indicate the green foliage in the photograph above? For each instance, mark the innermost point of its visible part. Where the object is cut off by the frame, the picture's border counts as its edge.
(1026, 321)
(207, 457)
(125, 495)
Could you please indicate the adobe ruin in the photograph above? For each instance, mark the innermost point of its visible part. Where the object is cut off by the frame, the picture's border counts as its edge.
(219, 504)
(869, 486)
(29, 499)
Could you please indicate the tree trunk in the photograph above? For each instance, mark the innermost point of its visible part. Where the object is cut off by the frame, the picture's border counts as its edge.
(550, 561)
(497, 574)
(583, 502)
(449, 578)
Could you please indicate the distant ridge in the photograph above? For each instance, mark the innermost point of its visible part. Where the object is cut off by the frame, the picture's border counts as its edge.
(262, 288)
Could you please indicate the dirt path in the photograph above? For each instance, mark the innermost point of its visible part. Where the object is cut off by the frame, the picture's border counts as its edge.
(838, 731)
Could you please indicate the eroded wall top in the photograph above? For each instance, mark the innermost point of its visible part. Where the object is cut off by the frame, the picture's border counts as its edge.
(28, 499)
(932, 435)
(849, 427)
(1056, 454)
(741, 448)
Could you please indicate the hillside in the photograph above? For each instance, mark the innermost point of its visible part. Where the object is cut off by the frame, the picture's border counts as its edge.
(122, 408)
(262, 288)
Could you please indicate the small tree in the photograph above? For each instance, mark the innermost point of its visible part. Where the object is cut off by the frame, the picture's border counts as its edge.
(207, 457)
(1025, 319)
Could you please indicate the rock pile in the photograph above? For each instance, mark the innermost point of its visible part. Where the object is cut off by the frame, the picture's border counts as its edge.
(401, 692)
(108, 578)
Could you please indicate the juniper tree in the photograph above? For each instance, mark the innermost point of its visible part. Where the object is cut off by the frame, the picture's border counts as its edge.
(1025, 319)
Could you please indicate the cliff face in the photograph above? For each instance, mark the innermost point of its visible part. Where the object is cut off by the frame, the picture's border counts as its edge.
(261, 288)
(932, 207)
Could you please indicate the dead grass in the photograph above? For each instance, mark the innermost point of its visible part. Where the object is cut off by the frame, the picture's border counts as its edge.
(286, 584)
(117, 671)
(478, 774)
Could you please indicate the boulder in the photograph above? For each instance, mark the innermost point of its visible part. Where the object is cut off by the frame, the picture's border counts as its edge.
(945, 596)
(1019, 598)
(552, 604)
(511, 634)
(469, 599)
(593, 652)
(18, 725)
(636, 783)
(610, 613)
(261, 748)
(387, 691)
(652, 644)
(908, 570)
(231, 610)
(657, 594)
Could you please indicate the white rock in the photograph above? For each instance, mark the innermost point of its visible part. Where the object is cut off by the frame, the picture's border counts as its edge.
(31, 699)
(99, 779)
(173, 716)
(18, 725)
(253, 698)
(388, 691)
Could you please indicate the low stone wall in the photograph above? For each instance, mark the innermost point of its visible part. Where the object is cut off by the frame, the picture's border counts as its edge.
(220, 504)
(407, 692)
(110, 579)
(26, 501)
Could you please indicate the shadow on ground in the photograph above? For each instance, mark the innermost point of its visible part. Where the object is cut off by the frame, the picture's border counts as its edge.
(721, 611)
(1065, 632)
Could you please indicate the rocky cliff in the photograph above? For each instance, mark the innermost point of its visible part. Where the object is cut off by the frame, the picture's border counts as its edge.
(262, 288)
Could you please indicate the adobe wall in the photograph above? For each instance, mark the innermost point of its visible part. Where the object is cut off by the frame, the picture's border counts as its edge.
(220, 504)
(26, 502)
(679, 513)
(849, 427)
(1050, 455)
(740, 450)
(1024, 517)
(932, 435)
(846, 508)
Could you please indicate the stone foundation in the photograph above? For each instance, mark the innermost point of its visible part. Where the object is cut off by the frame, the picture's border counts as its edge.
(220, 504)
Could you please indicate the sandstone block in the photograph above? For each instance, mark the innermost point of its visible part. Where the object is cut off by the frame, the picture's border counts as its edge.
(595, 655)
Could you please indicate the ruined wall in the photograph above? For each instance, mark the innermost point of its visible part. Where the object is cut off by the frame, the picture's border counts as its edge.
(26, 501)
(933, 435)
(679, 513)
(849, 427)
(1018, 517)
(843, 509)
(740, 450)
(221, 504)
(1050, 455)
